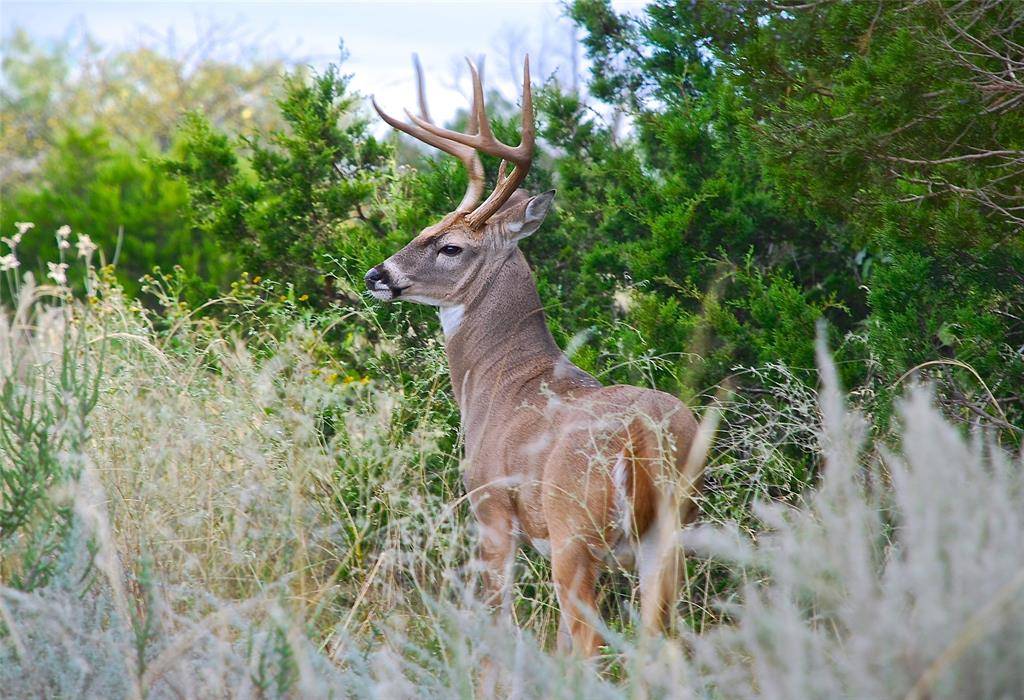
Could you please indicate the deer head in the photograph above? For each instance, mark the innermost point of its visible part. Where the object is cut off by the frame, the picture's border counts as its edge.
(453, 259)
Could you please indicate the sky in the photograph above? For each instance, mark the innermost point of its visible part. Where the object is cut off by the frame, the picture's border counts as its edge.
(379, 37)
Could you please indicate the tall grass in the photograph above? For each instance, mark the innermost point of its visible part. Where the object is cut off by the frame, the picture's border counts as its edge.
(226, 509)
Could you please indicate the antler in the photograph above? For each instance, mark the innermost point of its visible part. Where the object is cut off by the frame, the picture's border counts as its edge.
(467, 154)
(520, 156)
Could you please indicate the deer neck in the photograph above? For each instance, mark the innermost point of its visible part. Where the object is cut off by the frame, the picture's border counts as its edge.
(500, 339)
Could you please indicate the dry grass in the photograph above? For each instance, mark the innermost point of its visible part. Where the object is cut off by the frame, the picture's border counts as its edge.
(241, 521)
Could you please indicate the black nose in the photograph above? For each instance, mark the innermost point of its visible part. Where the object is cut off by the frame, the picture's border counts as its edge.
(375, 275)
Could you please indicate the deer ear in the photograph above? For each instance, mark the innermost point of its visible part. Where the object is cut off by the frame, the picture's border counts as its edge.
(523, 219)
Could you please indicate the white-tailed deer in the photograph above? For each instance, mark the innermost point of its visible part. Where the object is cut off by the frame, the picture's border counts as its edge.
(587, 473)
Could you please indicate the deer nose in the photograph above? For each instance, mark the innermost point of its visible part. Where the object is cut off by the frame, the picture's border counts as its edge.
(375, 275)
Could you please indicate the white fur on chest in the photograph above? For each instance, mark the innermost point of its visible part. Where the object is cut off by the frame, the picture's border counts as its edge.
(451, 318)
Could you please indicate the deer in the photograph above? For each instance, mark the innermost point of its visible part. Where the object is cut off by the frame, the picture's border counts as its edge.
(591, 476)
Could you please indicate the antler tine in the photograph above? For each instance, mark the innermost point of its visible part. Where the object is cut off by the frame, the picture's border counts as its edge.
(474, 122)
(421, 95)
(483, 126)
(468, 155)
(521, 156)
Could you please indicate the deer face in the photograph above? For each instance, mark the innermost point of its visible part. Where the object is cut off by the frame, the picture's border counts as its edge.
(433, 269)
(449, 262)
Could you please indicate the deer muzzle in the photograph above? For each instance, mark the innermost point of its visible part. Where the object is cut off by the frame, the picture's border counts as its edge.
(379, 282)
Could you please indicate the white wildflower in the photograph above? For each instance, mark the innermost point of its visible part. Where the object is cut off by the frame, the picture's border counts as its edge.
(13, 241)
(8, 262)
(63, 232)
(24, 226)
(63, 245)
(85, 245)
(58, 272)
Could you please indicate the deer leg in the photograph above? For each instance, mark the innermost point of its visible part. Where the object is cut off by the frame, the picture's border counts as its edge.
(659, 566)
(564, 635)
(496, 550)
(575, 575)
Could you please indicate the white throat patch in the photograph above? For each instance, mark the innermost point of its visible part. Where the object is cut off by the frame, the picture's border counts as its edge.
(451, 318)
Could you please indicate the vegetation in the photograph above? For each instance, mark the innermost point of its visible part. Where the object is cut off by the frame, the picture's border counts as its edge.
(300, 197)
(225, 471)
(85, 129)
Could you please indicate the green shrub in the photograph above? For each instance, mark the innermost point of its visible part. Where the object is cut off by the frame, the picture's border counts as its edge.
(300, 197)
(124, 201)
(48, 387)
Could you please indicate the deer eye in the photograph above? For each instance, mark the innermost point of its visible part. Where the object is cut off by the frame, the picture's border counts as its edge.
(450, 250)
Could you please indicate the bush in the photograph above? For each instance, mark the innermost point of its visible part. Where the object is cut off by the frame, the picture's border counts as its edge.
(48, 388)
(124, 201)
(302, 199)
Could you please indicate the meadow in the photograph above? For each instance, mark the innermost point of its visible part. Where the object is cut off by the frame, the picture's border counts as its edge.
(191, 512)
(226, 471)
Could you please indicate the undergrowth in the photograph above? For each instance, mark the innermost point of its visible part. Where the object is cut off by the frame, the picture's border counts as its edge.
(265, 502)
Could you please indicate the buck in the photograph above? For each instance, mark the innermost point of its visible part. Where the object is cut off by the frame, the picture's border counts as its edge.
(590, 475)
